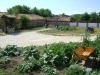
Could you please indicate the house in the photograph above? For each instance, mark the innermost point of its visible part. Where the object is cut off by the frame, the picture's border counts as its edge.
(59, 20)
(7, 23)
(35, 20)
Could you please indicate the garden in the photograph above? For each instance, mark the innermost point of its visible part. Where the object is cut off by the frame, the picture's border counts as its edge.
(63, 30)
(52, 59)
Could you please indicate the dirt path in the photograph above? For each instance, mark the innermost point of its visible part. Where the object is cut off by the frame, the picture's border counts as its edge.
(34, 38)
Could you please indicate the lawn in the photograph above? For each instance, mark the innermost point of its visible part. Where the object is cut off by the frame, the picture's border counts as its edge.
(56, 32)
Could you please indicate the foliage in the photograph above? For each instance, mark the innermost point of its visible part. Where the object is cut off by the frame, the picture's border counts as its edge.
(5, 60)
(24, 22)
(86, 40)
(92, 17)
(19, 9)
(96, 45)
(95, 73)
(58, 55)
(31, 51)
(3, 72)
(76, 70)
(45, 13)
(76, 17)
(66, 28)
(29, 66)
(10, 50)
(47, 70)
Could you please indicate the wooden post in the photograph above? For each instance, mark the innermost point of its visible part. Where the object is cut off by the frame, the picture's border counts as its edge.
(77, 24)
(97, 25)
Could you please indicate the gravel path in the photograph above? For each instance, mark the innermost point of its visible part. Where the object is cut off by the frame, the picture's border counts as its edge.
(34, 38)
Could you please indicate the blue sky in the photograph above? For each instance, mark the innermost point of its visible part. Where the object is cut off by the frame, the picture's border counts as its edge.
(56, 6)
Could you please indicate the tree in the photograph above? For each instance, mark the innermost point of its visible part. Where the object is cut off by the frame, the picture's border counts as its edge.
(45, 12)
(18, 9)
(76, 18)
(35, 11)
(86, 18)
(63, 14)
(93, 17)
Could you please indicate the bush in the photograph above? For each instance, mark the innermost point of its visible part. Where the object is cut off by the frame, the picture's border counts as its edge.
(4, 62)
(96, 45)
(76, 70)
(86, 40)
(3, 72)
(95, 73)
(31, 51)
(58, 55)
(66, 28)
(25, 22)
(47, 70)
(10, 50)
(29, 66)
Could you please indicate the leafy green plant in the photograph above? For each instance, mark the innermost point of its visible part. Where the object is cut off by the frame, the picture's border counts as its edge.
(95, 73)
(11, 50)
(47, 70)
(4, 62)
(29, 66)
(29, 52)
(96, 45)
(76, 70)
(25, 67)
(86, 40)
(59, 54)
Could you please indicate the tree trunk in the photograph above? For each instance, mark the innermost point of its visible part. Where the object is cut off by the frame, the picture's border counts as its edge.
(97, 25)
(77, 24)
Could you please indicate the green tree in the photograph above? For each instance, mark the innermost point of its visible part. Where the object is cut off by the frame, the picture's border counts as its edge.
(35, 11)
(76, 18)
(45, 12)
(86, 18)
(93, 17)
(19, 9)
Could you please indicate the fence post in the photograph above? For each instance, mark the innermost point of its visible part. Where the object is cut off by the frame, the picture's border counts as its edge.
(87, 25)
(77, 24)
(97, 25)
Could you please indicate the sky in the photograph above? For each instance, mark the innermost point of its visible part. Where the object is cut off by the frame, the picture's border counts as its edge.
(68, 7)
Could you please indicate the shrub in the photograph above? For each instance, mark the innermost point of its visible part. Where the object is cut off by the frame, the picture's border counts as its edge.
(76, 70)
(29, 66)
(47, 70)
(30, 51)
(86, 40)
(95, 73)
(58, 55)
(10, 50)
(66, 28)
(96, 45)
(4, 62)
(25, 22)
(3, 72)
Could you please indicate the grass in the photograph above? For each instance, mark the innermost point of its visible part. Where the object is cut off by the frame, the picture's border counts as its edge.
(56, 32)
